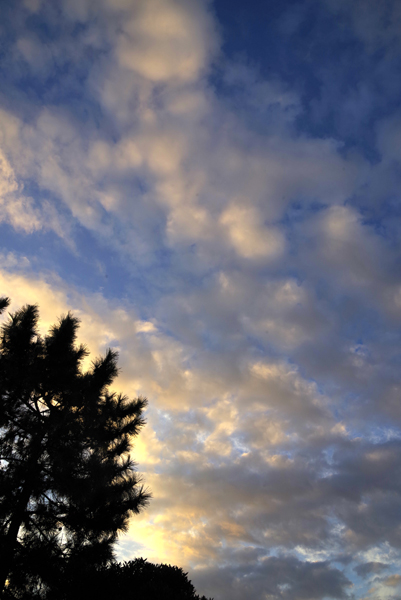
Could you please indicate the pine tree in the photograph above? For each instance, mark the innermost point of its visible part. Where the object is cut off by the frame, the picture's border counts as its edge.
(67, 482)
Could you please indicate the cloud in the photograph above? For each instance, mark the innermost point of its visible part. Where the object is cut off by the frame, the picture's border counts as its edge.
(277, 577)
(34, 53)
(249, 238)
(392, 580)
(17, 210)
(7, 181)
(32, 5)
(256, 292)
(166, 40)
(377, 24)
(370, 567)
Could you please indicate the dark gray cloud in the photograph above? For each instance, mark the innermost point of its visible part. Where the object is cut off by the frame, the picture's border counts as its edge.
(370, 568)
(277, 577)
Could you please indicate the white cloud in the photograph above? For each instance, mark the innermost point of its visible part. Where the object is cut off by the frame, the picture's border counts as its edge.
(8, 183)
(249, 236)
(166, 40)
(15, 208)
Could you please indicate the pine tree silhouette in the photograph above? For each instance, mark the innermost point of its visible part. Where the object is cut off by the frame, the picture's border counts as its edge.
(68, 485)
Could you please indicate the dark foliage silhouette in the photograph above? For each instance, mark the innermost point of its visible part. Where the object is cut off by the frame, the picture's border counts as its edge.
(133, 580)
(67, 483)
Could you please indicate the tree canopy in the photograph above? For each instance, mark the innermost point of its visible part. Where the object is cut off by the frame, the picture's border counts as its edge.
(68, 484)
(133, 580)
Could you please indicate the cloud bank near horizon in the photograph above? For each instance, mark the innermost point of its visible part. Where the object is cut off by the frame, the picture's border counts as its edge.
(235, 235)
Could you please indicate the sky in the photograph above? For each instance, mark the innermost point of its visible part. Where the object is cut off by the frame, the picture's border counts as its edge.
(213, 188)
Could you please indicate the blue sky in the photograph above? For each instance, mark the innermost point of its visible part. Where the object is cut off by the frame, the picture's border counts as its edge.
(213, 188)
